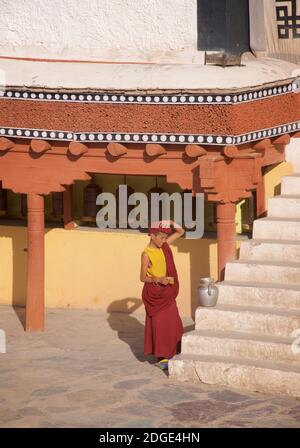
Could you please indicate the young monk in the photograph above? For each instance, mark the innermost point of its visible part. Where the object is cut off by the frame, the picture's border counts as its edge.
(163, 325)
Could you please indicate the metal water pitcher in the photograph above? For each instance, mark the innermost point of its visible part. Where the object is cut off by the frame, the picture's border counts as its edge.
(207, 292)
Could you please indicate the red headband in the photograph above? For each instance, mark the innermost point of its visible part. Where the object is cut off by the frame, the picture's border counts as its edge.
(159, 227)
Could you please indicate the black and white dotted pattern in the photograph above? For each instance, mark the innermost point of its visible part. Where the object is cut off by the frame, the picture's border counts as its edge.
(150, 138)
(266, 133)
(36, 134)
(191, 99)
(94, 137)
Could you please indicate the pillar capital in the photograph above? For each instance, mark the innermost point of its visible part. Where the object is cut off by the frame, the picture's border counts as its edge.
(232, 175)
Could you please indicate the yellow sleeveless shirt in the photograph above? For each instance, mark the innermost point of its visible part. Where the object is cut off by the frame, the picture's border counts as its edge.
(158, 267)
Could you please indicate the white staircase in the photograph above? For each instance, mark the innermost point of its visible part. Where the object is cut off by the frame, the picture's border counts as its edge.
(249, 340)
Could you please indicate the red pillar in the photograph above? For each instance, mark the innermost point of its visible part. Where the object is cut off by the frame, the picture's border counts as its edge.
(3, 199)
(68, 209)
(260, 198)
(226, 236)
(35, 306)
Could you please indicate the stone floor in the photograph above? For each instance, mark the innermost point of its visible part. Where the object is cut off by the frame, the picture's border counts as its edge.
(88, 370)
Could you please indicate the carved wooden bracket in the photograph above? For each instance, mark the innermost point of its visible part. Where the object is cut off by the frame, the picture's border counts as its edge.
(281, 140)
(22, 173)
(39, 146)
(77, 149)
(155, 150)
(229, 182)
(195, 151)
(232, 152)
(222, 178)
(262, 145)
(116, 149)
(6, 144)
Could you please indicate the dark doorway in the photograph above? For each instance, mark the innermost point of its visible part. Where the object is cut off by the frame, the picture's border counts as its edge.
(223, 25)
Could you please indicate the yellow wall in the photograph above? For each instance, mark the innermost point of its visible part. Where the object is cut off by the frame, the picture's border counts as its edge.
(97, 269)
(272, 178)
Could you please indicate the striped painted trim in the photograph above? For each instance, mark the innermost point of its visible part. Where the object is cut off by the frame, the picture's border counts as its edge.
(187, 99)
(90, 137)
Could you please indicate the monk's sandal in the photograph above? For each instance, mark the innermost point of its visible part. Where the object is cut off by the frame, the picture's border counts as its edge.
(162, 364)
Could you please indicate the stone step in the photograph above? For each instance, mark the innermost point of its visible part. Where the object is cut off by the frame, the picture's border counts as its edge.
(266, 249)
(256, 376)
(284, 206)
(242, 345)
(261, 270)
(277, 228)
(290, 184)
(259, 294)
(248, 320)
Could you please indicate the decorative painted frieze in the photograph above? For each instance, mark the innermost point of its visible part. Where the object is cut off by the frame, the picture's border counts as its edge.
(93, 137)
(174, 99)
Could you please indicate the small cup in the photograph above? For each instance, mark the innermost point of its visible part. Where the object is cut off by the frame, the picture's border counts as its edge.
(171, 280)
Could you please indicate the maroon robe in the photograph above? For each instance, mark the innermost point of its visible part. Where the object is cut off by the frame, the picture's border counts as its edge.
(163, 325)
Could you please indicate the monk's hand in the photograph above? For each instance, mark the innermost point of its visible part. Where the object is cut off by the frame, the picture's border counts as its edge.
(164, 281)
(155, 281)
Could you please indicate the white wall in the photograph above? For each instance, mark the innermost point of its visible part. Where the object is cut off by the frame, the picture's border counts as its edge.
(126, 30)
(292, 154)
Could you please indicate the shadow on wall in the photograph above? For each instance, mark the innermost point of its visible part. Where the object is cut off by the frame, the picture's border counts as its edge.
(18, 238)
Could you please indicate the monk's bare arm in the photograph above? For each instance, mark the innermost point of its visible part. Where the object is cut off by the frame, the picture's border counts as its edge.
(179, 232)
(145, 262)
